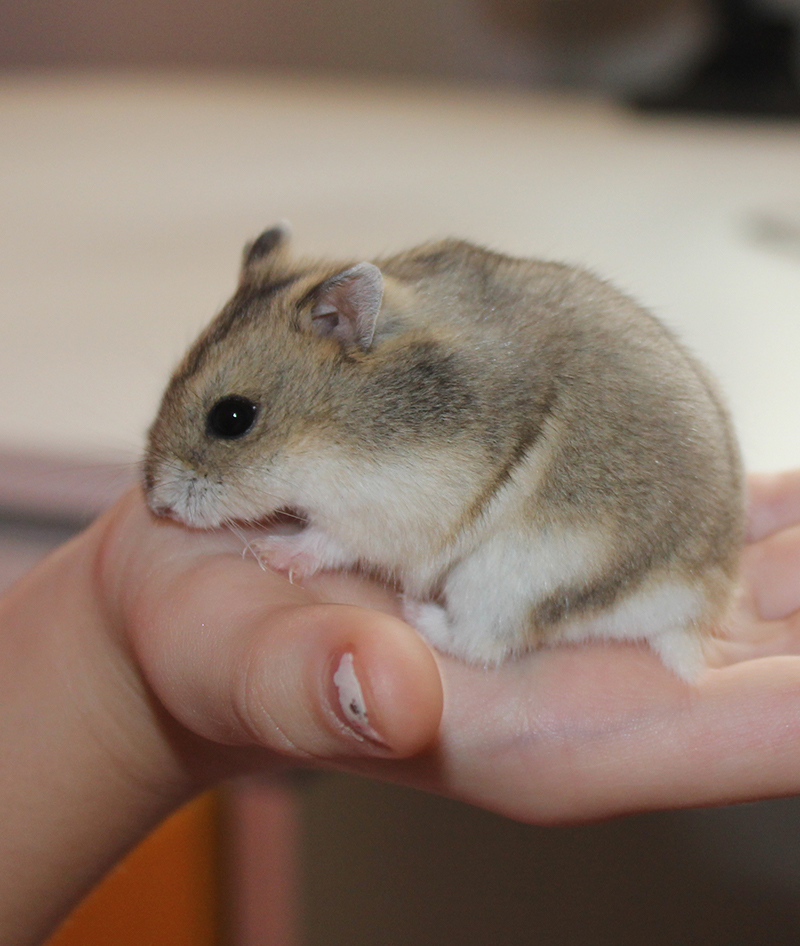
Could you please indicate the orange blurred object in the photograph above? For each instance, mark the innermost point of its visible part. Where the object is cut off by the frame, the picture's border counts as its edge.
(167, 891)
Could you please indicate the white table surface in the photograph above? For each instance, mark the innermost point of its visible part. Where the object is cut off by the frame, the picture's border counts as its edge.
(125, 203)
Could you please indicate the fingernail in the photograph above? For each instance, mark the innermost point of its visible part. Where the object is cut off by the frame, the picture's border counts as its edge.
(352, 702)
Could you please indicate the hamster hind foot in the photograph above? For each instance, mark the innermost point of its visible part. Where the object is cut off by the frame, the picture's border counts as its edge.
(448, 635)
(670, 617)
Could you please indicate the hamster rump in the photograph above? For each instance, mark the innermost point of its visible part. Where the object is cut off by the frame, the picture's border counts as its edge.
(528, 453)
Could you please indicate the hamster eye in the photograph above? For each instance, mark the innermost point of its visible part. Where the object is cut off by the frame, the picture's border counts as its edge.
(231, 417)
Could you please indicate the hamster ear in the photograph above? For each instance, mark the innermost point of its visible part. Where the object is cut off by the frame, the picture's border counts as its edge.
(347, 306)
(271, 243)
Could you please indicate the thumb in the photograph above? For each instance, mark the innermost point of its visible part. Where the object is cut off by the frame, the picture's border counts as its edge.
(240, 657)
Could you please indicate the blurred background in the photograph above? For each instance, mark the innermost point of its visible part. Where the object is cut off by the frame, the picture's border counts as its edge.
(739, 55)
(142, 144)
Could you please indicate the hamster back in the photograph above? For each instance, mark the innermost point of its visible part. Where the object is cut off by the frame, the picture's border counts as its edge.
(528, 453)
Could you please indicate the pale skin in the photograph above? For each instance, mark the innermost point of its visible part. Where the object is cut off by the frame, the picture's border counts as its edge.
(143, 662)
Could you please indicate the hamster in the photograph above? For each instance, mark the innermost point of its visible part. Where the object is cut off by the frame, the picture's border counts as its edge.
(531, 456)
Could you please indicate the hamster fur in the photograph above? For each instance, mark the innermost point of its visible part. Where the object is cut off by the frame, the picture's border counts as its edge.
(532, 456)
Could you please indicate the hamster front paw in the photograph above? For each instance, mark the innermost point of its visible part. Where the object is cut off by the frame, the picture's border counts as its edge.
(300, 555)
(286, 555)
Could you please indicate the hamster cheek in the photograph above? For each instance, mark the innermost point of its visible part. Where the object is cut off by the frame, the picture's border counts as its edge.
(302, 554)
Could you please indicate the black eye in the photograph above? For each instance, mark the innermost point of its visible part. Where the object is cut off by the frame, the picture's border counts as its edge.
(231, 417)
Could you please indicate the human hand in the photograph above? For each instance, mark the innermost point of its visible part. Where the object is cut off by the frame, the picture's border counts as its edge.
(563, 734)
(143, 662)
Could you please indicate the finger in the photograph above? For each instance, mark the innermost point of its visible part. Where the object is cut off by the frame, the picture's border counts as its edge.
(240, 657)
(773, 503)
(734, 739)
(606, 731)
(771, 568)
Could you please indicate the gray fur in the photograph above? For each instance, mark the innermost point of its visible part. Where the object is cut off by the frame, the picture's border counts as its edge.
(482, 364)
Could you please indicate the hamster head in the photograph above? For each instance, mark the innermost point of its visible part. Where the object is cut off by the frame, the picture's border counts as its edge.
(260, 383)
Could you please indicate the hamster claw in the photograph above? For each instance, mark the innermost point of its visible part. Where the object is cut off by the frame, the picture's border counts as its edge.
(281, 554)
(301, 555)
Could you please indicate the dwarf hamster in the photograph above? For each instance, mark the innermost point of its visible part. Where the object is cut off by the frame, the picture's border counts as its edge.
(528, 453)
